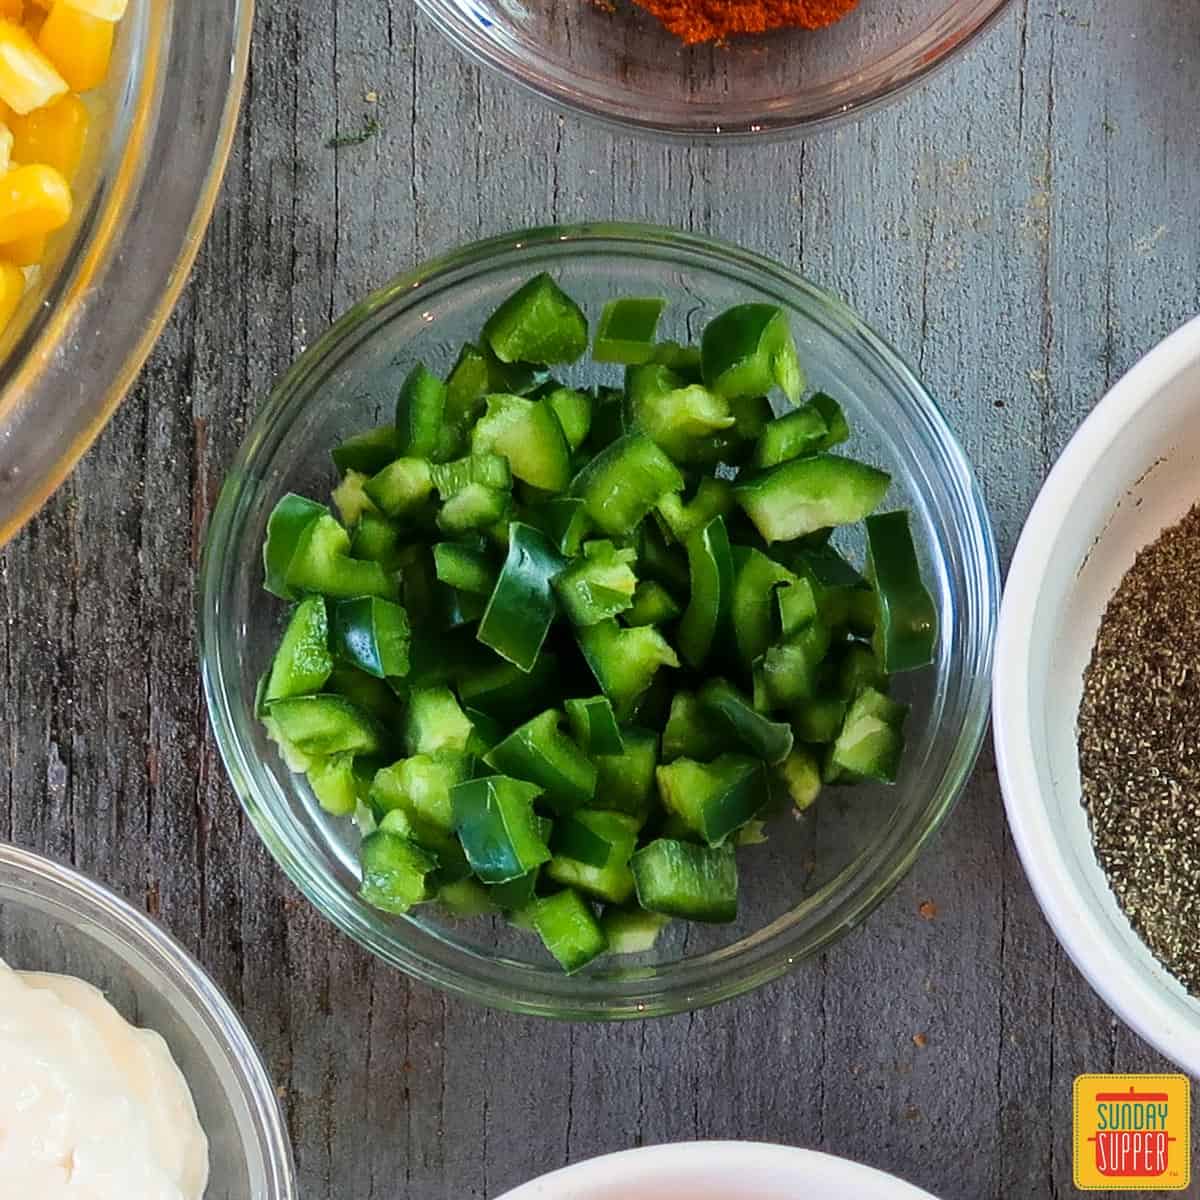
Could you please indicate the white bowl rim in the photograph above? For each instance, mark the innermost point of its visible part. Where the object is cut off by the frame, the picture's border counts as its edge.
(1128, 992)
(666, 1164)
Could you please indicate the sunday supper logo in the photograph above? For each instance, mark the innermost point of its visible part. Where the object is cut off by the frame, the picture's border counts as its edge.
(1132, 1133)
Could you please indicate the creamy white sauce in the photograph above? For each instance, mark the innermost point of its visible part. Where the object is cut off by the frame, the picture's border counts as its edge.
(91, 1108)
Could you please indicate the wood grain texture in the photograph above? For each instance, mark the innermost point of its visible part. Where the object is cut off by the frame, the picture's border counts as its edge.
(1023, 228)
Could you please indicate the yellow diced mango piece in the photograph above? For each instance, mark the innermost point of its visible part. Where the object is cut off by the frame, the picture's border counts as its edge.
(12, 288)
(27, 250)
(33, 199)
(6, 145)
(13, 10)
(78, 44)
(54, 135)
(28, 79)
(106, 10)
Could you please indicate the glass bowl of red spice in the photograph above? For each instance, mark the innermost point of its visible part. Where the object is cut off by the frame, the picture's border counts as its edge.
(714, 68)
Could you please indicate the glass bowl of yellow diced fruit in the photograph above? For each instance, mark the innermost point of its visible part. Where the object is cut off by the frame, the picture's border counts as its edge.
(116, 119)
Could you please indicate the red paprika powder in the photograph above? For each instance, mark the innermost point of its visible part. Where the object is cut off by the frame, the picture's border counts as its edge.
(714, 20)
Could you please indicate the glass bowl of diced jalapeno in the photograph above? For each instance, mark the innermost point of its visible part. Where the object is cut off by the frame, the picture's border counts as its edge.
(598, 621)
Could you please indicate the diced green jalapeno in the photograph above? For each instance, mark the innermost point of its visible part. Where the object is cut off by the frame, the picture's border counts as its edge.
(499, 831)
(594, 725)
(592, 849)
(906, 627)
(714, 798)
(302, 663)
(769, 740)
(372, 634)
(538, 323)
(814, 426)
(682, 879)
(627, 329)
(806, 494)
(598, 585)
(748, 349)
(528, 434)
(395, 872)
(325, 725)
(539, 752)
(652, 605)
(522, 604)
(624, 482)
(624, 661)
(368, 452)
(710, 562)
(420, 411)
(569, 929)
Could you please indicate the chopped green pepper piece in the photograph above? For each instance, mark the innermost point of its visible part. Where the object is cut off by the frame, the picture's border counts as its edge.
(626, 330)
(420, 787)
(504, 691)
(666, 564)
(843, 597)
(597, 586)
(871, 742)
(569, 930)
(769, 740)
(624, 482)
(474, 508)
(395, 872)
(682, 879)
(574, 412)
(368, 453)
(517, 893)
(489, 470)
(302, 663)
(714, 798)
(713, 498)
(351, 500)
(906, 628)
(538, 323)
(693, 731)
(625, 781)
(757, 580)
(820, 720)
(499, 831)
(815, 426)
(807, 494)
(467, 568)
(376, 539)
(632, 930)
(435, 721)
(372, 634)
(857, 668)
(801, 774)
(287, 530)
(792, 669)
(478, 373)
(592, 851)
(529, 435)
(710, 562)
(401, 487)
(652, 605)
(679, 417)
(539, 752)
(374, 696)
(594, 725)
(748, 349)
(466, 898)
(334, 784)
(325, 725)
(624, 661)
(564, 521)
(522, 604)
(420, 411)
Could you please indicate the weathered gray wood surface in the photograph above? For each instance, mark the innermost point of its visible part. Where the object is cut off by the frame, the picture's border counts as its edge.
(1023, 228)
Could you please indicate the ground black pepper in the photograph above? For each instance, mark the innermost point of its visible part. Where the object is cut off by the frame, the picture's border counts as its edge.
(1139, 747)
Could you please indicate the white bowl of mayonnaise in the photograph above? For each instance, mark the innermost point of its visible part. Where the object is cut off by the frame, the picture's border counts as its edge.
(124, 1073)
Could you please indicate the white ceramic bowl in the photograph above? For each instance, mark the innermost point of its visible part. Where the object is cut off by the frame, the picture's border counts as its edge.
(1131, 470)
(717, 1171)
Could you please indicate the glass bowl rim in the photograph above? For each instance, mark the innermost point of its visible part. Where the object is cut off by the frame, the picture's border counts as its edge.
(706, 979)
(613, 106)
(88, 261)
(102, 908)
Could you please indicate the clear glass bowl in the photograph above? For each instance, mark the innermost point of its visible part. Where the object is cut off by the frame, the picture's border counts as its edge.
(815, 878)
(54, 919)
(161, 130)
(612, 60)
